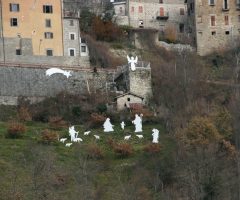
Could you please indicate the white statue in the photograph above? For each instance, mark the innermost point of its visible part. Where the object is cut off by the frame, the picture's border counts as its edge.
(155, 135)
(52, 71)
(108, 127)
(140, 136)
(127, 137)
(138, 123)
(132, 61)
(72, 133)
(122, 125)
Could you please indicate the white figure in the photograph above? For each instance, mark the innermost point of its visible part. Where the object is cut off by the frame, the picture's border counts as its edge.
(68, 144)
(127, 137)
(155, 135)
(87, 132)
(132, 61)
(97, 137)
(72, 133)
(77, 140)
(52, 71)
(138, 123)
(108, 127)
(140, 136)
(63, 140)
(122, 125)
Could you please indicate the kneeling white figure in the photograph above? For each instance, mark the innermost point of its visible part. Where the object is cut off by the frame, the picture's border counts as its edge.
(108, 127)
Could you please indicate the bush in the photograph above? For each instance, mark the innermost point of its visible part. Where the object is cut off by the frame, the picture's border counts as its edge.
(57, 122)
(94, 151)
(96, 119)
(76, 111)
(123, 150)
(24, 114)
(101, 107)
(152, 148)
(48, 136)
(15, 130)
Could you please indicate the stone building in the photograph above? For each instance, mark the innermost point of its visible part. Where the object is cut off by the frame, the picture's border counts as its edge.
(214, 24)
(33, 32)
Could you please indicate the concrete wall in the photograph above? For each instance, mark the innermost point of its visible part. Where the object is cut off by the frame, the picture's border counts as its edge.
(33, 83)
(123, 103)
(215, 38)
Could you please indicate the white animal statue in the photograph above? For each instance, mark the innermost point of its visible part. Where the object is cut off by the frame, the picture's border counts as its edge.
(132, 61)
(108, 127)
(63, 140)
(86, 132)
(77, 140)
(52, 71)
(140, 136)
(122, 125)
(155, 135)
(97, 137)
(127, 137)
(68, 144)
(138, 123)
(72, 133)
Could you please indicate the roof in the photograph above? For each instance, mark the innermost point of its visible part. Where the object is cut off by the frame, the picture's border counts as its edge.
(129, 93)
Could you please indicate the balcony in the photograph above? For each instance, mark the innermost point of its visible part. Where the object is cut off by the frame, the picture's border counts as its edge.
(162, 17)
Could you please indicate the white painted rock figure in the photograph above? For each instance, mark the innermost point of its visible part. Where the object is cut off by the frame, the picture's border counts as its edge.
(140, 136)
(132, 61)
(97, 137)
(108, 127)
(127, 137)
(68, 144)
(122, 125)
(63, 140)
(155, 135)
(72, 133)
(86, 132)
(138, 123)
(52, 71)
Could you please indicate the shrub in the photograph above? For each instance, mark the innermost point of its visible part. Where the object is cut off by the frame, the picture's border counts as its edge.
(57, 122)
(94, 151)
(96, 119)
(152, 148)
(24, 114)
(123, 149)
(76, 111)
(101, 107)
(48, 136)
(15, 130)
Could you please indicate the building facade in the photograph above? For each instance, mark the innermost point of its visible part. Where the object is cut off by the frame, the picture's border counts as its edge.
(214, 24)
(38, 31)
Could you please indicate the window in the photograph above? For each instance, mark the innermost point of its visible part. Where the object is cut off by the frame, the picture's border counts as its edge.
(121, 10)
(140, 9)
(72, 36)
(211, 2)
(213, 32)
(48, 23)
(226, 20)
(83, 49)
(48, 35)
(18, 52)
(13, 22)
(14, 7)
(47, 9)
(141, 24)
(227, 32)
(49, 52)
(225, 4)
(83, 40)
(238, 4)
(160, 1)
(181, 28)
(238, 18)
(161, 11)
(192, 7)
(71, 52)
(128, 99)
(181, 11)
(71, 23)
(132, 9)
(213, 20)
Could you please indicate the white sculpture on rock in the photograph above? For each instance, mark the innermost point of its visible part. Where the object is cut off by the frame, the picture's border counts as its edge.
(132, 61)
(122, 125)
(63, 140)
(68, 144)
(127, 137)
(108, 127)
(52, 71)
(72, 133)
(155, 135)
(97, 137)
(77, 140)
(140, 136)
(86, 132)
(138, 123)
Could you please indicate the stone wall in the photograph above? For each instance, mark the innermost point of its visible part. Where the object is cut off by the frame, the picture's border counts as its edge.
(125, 100)
(224, 35)
(31, 82)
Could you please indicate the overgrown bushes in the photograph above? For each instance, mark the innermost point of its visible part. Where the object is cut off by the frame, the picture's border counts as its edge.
(48, 136)
(15, 130)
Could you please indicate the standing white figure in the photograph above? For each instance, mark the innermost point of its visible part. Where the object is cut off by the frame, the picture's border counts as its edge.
(108, 127)
(155, 135)
(138, 123)
(122, 125)
(72, 133)
(52, 71)
(132, 61)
